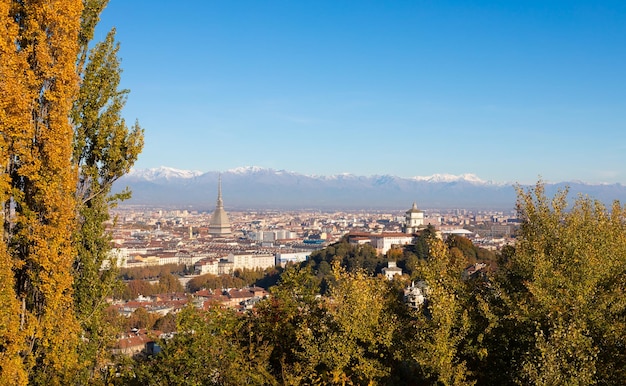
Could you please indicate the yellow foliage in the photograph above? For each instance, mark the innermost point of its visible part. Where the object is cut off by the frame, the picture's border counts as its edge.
(38, 47)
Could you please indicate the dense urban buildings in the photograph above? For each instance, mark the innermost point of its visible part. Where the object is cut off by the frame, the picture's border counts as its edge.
(148, 236)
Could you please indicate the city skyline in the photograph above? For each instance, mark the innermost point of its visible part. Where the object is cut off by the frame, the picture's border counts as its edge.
(506, 92)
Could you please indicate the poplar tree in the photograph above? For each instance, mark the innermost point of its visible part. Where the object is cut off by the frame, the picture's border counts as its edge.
(39, 82)
(104, 150)
(13, 114)
(62, 145)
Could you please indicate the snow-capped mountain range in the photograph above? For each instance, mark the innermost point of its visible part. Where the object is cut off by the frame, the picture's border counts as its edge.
(162, 172)
(254, 187)
(168, 173)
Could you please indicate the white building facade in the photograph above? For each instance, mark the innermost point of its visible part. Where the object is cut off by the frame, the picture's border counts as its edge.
(296, 257)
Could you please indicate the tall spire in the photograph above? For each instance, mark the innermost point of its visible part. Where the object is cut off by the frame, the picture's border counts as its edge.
(219, 225)
(220, 203)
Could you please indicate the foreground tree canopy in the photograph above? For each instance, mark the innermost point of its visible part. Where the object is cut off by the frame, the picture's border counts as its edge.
(62, 144)
(564, 287)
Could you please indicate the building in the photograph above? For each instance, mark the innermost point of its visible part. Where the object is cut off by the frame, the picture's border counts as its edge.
(475, 271)
(190, 258)
(219, 225)
(244, 298)
(392, 270)
(207, 265)
(414, 220)
(136, 342)
(283, 259)
(250, 261)
(415, 294)
(382, 242)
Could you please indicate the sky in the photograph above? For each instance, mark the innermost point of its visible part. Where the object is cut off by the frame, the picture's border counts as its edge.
(511, 91)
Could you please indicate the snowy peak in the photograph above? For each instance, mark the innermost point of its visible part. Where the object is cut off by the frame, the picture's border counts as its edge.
(446, 178)
(247, 170)
(162, 172)
(252, 170)
(340, 176)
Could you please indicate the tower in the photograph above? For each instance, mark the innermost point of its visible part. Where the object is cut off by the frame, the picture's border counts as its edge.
(414, 219)
(219, 225)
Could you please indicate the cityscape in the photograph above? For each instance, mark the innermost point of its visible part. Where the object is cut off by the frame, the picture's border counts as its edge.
(440, 201)
(185, 233)
(219, 243)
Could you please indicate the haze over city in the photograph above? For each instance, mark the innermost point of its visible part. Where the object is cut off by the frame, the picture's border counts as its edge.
(506, 91)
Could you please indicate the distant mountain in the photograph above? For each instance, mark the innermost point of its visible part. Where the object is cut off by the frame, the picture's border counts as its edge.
(261, 188)
(161, 173)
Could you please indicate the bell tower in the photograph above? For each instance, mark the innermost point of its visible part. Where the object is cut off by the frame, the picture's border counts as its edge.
(414, 219)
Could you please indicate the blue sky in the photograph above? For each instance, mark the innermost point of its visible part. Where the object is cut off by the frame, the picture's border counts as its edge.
(506, 90)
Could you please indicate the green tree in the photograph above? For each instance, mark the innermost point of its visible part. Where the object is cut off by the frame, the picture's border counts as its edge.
(443, 326)
(293, 305)
(421, 243)
(352, 257)
(213, 347)
(352, 342)
(249, 276)
(563, 291)
(104, 149)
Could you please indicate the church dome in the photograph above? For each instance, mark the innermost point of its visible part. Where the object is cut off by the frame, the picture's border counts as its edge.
(414, 209)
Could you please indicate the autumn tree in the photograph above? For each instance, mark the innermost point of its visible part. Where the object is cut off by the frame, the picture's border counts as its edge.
(394, 254)
(169, 283)
(141, 318)
(134, 288)
(166, 323)
(39, 81)
(104, 149)
(150, 272)
(462, 246)
(13, 114)
(214, 282)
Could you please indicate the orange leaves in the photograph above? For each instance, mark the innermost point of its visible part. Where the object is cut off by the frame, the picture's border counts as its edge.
(38, 81)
